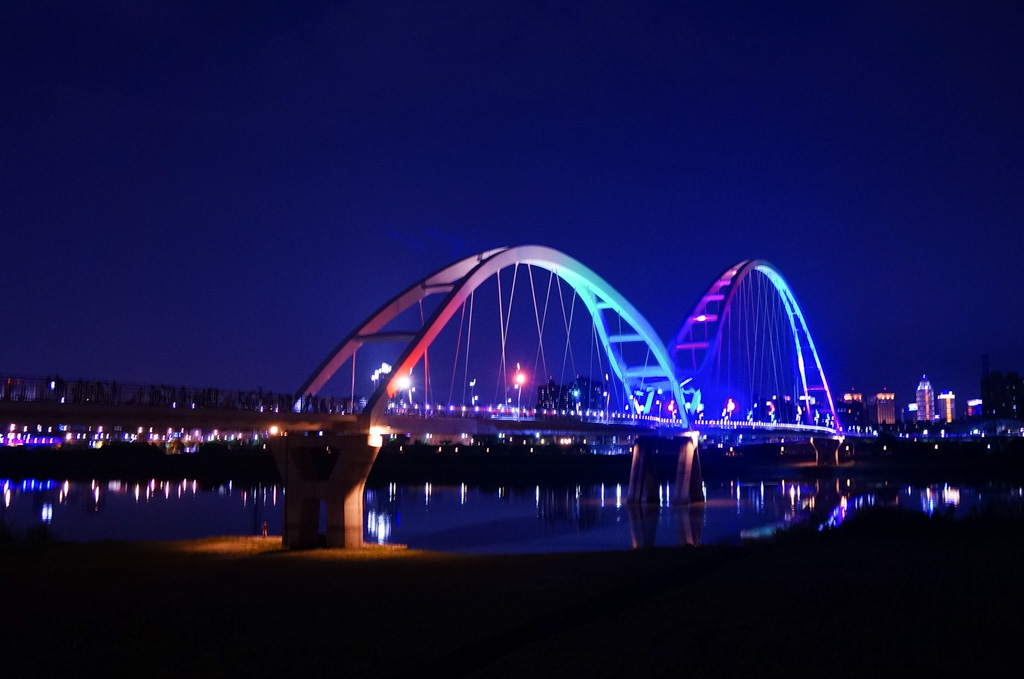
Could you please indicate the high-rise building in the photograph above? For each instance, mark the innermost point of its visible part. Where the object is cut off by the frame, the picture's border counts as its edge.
(925, 400)
(850, 410)
(947, 406)
(974, 407)
(885, 408)
(1002, 396)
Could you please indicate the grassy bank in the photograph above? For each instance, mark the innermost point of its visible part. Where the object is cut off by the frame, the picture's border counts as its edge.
(925, 595)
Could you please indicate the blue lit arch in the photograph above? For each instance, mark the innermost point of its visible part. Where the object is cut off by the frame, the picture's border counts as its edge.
(700, 336)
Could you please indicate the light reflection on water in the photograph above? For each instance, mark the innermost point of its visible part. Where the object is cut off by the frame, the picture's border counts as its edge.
(464, 518)
(153, 510)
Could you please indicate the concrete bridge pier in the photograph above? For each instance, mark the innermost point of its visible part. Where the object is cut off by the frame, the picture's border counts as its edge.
(643, 487)
(331, 469)
(826, 450)
(689, 486)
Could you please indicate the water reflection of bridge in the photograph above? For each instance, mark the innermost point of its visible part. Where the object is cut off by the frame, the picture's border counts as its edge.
(564, 514)
(440, 336)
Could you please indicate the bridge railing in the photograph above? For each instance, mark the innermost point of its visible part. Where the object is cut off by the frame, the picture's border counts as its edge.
(111, 393)
(487, 412)
(58, 391)
(762, 426)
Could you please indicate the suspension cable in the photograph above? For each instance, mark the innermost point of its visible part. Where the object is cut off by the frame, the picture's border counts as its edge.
(501, 331)
(426, 365)
(590, 369)
(469, 334)
(541, 358)
(455, 363)
(503, 372)
(568, 330)
(600, 364)
(540, 326)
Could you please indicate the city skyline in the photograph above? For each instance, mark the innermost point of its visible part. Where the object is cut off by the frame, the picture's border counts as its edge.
(216, 196)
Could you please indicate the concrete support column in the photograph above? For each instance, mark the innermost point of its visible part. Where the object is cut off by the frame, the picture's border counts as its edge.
(332, 469)
(826, 451)
(642, 485)
(689, 480)
(347, 484)
(301, 519)
(345, 516)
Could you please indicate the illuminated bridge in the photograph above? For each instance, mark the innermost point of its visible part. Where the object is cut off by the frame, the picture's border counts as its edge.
(526, 341)
(464, 341)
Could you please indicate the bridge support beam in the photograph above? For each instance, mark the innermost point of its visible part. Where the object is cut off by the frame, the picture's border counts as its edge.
(826, 450)
(643, 487)
(689, 480)
(331, 469)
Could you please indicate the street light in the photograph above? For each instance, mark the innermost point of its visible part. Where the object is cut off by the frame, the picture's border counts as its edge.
(520, 380)
(404, 383)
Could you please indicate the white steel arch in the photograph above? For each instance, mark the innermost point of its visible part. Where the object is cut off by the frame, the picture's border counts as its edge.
(701, 333)
(458, 281)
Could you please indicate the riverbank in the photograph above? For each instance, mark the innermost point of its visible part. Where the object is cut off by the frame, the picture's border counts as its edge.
(921, 595)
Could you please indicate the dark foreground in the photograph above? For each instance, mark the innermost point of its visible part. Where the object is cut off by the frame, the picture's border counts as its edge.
(913, 597)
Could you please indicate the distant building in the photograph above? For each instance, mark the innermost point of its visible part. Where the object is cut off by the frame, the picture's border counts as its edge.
(925, 400)
(910, 413)
(1001, 396)
(577, 396)
(884, 410)
(850, 411)
(947, 406)
(974, 407)
(549, 395)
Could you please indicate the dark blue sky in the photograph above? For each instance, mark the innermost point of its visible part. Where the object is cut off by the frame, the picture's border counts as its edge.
(214, 194)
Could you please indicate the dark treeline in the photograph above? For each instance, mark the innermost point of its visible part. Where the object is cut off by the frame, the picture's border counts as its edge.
(58, 390)
(516, 464)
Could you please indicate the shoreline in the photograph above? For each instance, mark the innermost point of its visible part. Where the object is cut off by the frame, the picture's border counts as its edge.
(907, 599)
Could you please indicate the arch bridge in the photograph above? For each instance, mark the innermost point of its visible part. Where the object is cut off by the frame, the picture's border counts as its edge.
(657, 391)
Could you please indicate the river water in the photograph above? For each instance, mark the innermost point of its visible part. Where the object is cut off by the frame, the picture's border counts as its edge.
(476, 519)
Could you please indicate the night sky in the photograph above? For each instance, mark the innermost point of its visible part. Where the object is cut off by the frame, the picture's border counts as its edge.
(214, 194)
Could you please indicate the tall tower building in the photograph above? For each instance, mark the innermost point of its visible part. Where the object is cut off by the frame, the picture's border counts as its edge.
(885, 408)
(925, 400)
(947, 406)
